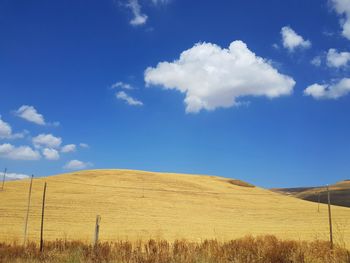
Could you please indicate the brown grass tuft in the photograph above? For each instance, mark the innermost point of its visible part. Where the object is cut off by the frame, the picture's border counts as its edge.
(240, 183)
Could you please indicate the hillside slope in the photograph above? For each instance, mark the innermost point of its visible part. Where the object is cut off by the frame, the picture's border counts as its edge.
(339, 192)
(141, 205)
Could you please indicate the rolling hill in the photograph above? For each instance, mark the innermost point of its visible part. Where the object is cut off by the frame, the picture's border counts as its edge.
(339, 192)
(141, 205)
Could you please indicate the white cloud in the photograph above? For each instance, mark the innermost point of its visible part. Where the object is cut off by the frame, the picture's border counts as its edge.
(84, 145)
(122, 85)
(128, 99)
(76, 165)
(213, 77)
(329, 91)
(69, 148)
(30, 114)
(18, 153)
(157, 2)
(139, 18)
(275, 46)
(55, 124)
(291, 40)
(342, 7)
(51, 154)
(337, 59)
(15, 176)
(316, 61)
(6, 131)
(47, 140)
(328, 33)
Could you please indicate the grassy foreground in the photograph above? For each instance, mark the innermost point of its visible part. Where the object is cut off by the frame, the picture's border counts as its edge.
(264, 249)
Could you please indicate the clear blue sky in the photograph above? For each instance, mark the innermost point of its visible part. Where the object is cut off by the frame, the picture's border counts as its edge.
(83, 63)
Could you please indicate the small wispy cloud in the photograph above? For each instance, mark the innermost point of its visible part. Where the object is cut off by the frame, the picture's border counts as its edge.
(122, 85)
(12, 152)
(47, 140)
(275, 46)
(68, 148)
(291, 40)
(316, 61)
(51, 154)
(160, 2)
(139, 18)
(342, 7)
(337, 59)
(15, 176)
(6, 131)
(77, 165)
(29, 113)
(128, 99)
(84, 145)
(329, 91)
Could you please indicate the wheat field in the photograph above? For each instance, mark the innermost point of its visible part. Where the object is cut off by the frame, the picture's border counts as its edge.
(138, 205)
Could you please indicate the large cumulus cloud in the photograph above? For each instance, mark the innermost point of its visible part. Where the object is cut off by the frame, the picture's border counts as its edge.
(212, 77)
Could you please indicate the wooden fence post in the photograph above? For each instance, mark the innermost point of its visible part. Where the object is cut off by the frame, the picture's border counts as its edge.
(28, 206)
(42, 220)
(3, 180)
(97, 229)
(330, 218)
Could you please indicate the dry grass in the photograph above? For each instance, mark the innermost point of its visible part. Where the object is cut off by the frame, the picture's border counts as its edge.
(138, 205)
(264, 249)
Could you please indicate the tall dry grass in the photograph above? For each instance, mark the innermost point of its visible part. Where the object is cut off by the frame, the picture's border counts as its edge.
(263, 249)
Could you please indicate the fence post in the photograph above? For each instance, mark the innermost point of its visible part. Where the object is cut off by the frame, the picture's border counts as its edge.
(28, 206)
(330, 218)
(3, 180)
(42, 220)
(97, 229)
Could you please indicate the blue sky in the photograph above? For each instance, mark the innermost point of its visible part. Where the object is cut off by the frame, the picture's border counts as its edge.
(255, 90)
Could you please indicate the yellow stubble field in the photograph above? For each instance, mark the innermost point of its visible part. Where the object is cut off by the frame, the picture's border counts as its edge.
(136, 205)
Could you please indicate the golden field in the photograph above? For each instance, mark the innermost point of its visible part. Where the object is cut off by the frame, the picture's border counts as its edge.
(136, 205)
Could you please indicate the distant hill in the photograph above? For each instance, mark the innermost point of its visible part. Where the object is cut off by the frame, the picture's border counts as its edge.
(339, 193)
(137, 205)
